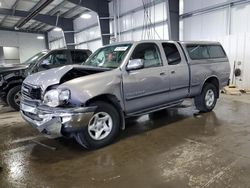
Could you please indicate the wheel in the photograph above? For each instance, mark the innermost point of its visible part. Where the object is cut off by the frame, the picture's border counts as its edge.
(206, 101)
(102, 128)
(14, 97)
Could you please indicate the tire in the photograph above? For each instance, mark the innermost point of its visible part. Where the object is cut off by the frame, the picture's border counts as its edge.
(12, 99)
(88, 137)
(206, 104)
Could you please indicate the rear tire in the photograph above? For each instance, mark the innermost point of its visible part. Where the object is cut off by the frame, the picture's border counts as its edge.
(14, 97)
(206, 101)
(102, 128)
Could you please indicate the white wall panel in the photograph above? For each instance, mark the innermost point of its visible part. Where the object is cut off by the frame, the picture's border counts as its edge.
(60, 43)
(127, 36)
(82, 46)
(126, 22)
(191, 5)
(28, 43)
(126, 6)
(240, 19)
(133, 23)
(211, 24)
(81, 23)
(93, 46)
(87, 35)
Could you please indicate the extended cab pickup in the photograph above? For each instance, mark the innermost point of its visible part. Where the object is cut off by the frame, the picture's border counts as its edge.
(12, 76)
(90, 102)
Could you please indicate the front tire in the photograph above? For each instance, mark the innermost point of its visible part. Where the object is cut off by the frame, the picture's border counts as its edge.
(206, 101)
(14, 97)
(102, 128)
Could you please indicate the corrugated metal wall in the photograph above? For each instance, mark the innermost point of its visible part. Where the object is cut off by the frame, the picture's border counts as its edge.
(229, 25)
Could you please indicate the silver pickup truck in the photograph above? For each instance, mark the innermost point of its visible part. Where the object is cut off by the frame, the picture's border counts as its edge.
(91, 101)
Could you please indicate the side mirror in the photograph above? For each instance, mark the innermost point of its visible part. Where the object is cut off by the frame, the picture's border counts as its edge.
(135, 64)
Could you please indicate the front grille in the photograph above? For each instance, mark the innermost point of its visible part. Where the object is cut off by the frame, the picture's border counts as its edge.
(31, 92)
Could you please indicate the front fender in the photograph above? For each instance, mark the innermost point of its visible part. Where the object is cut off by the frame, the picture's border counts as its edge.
(85, 88)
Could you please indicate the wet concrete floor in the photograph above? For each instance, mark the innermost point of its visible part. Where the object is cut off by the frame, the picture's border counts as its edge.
(175, 148)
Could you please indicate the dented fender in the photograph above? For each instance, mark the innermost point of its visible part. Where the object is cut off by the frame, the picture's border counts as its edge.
(83, 89)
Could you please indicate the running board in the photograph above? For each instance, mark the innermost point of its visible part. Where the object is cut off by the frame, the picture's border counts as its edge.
(158, 108)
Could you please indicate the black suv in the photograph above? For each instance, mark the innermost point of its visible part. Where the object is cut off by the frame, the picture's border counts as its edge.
(12, 76)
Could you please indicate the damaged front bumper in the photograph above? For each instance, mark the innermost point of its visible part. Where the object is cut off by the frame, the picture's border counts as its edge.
(56, 122)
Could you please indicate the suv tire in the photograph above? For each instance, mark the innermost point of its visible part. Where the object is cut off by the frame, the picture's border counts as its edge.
(14, 97)
(102, 128)
(206, 101)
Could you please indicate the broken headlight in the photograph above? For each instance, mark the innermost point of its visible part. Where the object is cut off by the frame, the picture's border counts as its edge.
(55, 97)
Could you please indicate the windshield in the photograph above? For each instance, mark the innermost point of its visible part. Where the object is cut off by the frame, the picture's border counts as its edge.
(34, 58)
(108, 57)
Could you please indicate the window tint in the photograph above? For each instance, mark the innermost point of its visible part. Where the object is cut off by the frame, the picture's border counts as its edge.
(198, 52)
(205, 51)
(56, 59)
(109, 56)
(79, 56)
(216, 51)
(172, 54)
(149, 53)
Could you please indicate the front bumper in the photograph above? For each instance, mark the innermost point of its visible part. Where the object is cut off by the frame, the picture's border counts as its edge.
(56, 122)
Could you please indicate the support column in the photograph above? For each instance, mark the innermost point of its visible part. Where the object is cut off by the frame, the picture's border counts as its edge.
(69, 39)
(173, 19)
(105, 32)
(46, 40)
(103, 14)
(102, 9)
(68, 30)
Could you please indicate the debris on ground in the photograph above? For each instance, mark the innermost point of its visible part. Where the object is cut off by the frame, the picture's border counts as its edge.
(231, 90)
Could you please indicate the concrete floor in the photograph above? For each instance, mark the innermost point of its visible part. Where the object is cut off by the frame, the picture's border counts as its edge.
(169, 149)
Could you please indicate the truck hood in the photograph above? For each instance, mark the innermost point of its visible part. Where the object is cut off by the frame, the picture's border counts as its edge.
(12, 67)
(60, 75)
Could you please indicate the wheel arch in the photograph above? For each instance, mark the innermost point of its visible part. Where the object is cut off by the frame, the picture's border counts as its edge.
(113, 100)
(215, 81)
(12, 83)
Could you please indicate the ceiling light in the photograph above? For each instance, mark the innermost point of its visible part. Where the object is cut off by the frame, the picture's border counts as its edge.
(40, 37)
(57, 29)
(86, 16)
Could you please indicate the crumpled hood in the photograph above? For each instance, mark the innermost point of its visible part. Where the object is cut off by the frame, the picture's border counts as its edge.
(48, 77)
(55, 76)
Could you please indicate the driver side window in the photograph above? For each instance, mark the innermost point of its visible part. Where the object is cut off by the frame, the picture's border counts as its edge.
(149, 53)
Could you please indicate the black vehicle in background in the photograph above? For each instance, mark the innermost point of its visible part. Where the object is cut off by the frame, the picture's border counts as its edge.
(12, 76)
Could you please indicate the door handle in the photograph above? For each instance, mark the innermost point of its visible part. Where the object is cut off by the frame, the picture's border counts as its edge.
(172, 72)
(162, 73)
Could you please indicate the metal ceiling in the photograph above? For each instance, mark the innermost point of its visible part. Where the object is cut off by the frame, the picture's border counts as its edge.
(63, 8)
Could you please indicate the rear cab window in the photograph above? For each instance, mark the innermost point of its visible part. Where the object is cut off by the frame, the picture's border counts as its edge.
(205, 51)
(172, 53)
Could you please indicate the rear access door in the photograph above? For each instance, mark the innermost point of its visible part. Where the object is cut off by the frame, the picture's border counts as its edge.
(178, 70)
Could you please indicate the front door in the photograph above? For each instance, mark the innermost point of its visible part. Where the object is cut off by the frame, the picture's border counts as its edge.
(146, 87)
